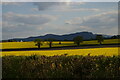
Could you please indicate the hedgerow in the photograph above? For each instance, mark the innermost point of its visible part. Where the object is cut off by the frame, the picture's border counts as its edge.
(61, 67)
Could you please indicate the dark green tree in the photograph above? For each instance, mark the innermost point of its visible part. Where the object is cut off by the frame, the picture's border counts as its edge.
(65, 40)
(100, 39)
(77, 40)
(59, 42)
(38, 42)
(50, 41)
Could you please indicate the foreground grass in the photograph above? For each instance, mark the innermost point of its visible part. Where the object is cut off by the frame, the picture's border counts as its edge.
(92, 51)
(12, 45)
(61, 67)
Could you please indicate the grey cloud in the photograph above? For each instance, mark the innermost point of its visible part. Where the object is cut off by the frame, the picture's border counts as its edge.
(104, 22)
(77, 10)
(59, 5)
(12, 3)
(104, 19)
(108, 19)
(14, 24)
(28, 19)
(45, 5)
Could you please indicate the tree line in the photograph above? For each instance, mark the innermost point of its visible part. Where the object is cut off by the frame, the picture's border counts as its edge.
(77, 40)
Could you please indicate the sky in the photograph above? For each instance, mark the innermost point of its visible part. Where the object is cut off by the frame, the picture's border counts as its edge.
(60, 0)
(25, 19)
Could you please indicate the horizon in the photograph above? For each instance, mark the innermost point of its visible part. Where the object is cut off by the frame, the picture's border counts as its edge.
(25, 19)
(57, 35)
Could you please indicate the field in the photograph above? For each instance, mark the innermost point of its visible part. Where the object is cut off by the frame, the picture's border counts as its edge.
(93, 52)
(11, 45)
(86, 63)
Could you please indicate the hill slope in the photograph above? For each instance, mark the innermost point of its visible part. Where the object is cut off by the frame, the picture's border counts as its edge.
(85, 35)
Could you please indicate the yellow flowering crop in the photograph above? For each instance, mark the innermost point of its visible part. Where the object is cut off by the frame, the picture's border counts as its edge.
(92, 51)
(13, 45)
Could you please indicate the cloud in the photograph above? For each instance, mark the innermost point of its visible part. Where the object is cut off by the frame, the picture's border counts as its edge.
(104, 22)
(14, 24)
(30, 19)
(62, 7)
(61, 0)
(10, 3)
(81, 9)
(34, 9)
(46, 5)
(59, 5)
(100, 0)
(103, 18)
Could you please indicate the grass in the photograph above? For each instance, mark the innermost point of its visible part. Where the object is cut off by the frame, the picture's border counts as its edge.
(11, 45)
(83, 67)
(93, 52)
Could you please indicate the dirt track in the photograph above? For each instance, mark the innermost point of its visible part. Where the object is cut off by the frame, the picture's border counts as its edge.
(65, 47)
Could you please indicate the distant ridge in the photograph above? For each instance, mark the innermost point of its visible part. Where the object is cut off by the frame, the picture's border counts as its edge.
(86, 36)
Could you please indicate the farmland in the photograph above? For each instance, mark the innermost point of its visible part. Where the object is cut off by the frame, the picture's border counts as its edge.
(107, 51)
(13, 45)
(93, 52)
(67, 39)
(86, 63)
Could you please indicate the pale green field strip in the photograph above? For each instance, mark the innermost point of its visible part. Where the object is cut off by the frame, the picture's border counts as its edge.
(13, 45)
(93, 52)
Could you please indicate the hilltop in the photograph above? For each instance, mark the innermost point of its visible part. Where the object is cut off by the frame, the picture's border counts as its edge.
(85, 35)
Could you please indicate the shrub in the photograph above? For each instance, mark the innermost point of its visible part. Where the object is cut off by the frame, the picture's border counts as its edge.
(61, 67)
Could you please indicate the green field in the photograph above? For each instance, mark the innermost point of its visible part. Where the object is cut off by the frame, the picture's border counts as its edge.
(11, 45)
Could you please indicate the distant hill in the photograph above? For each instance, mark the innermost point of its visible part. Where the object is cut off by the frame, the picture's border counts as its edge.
(85, 35)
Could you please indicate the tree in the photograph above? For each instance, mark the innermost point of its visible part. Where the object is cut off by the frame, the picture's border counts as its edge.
(116, 37)
(65, 40)
(78, 40)
(12, 40)
(50, 41)
(100, 39)
(59, 42)
(38, 42)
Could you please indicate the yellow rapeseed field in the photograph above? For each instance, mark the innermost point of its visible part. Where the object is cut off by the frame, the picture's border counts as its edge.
(14, 45)
(92, 51)
(11, 45)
